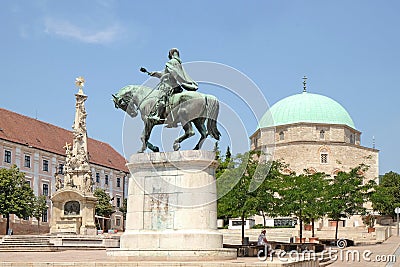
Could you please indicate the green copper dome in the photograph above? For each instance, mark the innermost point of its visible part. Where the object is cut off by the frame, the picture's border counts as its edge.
(306, 107)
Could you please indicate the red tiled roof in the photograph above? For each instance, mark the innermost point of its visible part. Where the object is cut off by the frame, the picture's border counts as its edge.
(24, 130)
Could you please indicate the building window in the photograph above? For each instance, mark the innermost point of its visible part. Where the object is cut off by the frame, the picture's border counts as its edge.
(281, 136)
(45, 165)
(118, 222)
(322, 134)
(106, 179)
(324, 158)
(45, 189)
(118, 202)
(27, 162)
(44, 216)
(28, 183)
(97, 177)
(7, 156)
(118, 182)
(60, 168)
(352, 141)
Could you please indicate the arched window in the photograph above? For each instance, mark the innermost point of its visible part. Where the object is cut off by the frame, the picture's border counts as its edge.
(311, 170)
(322, 134)
(335, 172)
(352, 139)
(281, 136)
(324, 156)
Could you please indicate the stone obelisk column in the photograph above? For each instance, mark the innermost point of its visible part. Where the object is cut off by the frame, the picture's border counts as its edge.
(74, 203)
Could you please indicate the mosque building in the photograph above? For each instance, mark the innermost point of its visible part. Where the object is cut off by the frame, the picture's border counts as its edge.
(313, 132)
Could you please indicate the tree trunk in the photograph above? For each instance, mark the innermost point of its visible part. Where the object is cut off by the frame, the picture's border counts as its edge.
(312, 227)
(263, 214)
(337, 229)
(38, 226)
(242, 228)
(301, 229)
(8, 223)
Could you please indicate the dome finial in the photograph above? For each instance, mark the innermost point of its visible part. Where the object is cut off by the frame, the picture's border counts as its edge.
(304, 84)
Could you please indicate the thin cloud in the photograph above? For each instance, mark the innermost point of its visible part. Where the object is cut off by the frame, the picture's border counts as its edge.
(68, 30)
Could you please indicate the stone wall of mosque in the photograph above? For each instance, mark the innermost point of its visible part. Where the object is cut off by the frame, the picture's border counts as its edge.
(318, 147)
(327, 157)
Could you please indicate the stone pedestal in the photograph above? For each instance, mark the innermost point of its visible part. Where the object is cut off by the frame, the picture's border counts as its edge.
(172, 209)
(73, 212)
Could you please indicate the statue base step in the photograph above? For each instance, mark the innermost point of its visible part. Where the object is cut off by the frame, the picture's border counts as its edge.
(172, 255)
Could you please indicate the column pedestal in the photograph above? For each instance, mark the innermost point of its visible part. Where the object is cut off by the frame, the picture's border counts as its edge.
(172, 209)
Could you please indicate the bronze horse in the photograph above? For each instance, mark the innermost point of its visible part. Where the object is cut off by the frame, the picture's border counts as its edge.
(186, 108)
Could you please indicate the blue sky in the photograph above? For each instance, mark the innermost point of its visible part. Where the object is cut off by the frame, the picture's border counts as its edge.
(349, 50)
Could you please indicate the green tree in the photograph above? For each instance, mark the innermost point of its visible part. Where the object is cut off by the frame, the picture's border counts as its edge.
(103, 206)
(298, 194)
(386, 196)
(346, 195)
(223, 164)
(317, 193)
(16, 196)
(266, 201)
(239, 200)
(39, 208)
(124, 208)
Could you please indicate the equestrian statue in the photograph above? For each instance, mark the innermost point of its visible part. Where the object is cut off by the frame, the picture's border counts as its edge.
(174, 100)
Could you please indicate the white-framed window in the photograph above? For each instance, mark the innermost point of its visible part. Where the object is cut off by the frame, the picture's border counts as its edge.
(45, 166)
(7, 156)
(97, 177)
(45, 189)
(118, 202)
(118, 182)
(27, 162)
(106, 179)
(60, 168)
(44, 216)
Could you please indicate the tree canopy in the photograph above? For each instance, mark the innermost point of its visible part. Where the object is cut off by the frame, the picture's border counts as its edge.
(386, 195)
(238, 186)
(103, 206)
(298, 194)
(347, 194)
(16, 196)
(39, 208)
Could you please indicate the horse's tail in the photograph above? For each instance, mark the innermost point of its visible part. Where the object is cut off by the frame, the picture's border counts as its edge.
(212, 105)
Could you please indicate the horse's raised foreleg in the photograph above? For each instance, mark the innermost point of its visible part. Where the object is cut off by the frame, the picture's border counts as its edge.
(188, 133)
(199, 123)
(148, 127)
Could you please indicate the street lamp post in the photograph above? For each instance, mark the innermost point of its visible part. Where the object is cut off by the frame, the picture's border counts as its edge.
(397, 210)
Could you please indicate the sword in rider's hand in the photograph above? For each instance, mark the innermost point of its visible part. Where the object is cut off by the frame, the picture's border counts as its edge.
(144, 70)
